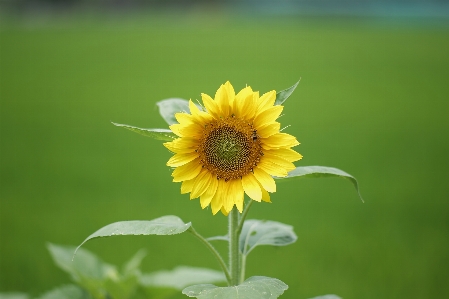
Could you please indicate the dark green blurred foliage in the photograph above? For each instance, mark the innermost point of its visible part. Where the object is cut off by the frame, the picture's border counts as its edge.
(372, 101)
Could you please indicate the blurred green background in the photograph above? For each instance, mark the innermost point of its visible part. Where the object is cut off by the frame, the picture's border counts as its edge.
(373, 101)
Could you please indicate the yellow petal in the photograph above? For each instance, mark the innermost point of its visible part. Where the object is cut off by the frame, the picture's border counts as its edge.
(230, 94)
(182, 145)
(183, 118)
(287, 154)
(228, 199)
(181, 159)
(239, 98)
(248, 108)
(265, 179)
(278, 160)
(198, 116)
(193, 108)
(186, 186)
(279, 140)
(266, 101)
(251, 187)
(272, 169)
(236, 192)
(210, 105)
(217, 200)
(268, 130)
(202, 181)
(265, 195)
(222, 100)
(207, 196)
(187, 130)
(175, 129)
(187, 171)
(268, 116)
(234, 196)
(224, 211)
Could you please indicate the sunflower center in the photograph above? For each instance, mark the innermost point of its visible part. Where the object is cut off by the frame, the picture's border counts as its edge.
(229, 148)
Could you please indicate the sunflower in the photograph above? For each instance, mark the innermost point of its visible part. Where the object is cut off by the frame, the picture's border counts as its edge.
(233, 146)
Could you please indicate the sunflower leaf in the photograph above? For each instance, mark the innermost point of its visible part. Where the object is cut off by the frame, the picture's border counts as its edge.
(168, 108)
(87, 266)
(255, 287)
(283, 95)
(181, 277)
(320, 172)
(260, 232)
(166, 225)
(158, 134)
(66, 292)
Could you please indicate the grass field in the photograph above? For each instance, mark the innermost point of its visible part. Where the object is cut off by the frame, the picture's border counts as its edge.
(373, 101)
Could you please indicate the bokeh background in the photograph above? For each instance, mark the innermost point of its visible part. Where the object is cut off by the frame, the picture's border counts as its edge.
(373, 101)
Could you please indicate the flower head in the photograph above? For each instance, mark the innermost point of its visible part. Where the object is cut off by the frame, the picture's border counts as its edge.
(233, 146)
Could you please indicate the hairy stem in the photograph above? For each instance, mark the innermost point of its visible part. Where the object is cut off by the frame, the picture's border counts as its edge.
(234, 252)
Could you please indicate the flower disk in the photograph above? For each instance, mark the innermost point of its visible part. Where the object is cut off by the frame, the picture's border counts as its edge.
(232, 147)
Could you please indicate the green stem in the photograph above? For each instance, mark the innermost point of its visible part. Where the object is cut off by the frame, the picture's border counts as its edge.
(242, 273)
(214, 252)
(234, 252)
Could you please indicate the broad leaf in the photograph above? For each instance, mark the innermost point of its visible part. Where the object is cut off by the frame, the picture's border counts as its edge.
(327, 297)
(158, 134)
(166, 225)
(283, 95)
(320, 172)
(168, 108)
(87, 266)
(66, 292)
(259, 232)
(181, 277)
(14, 295)
(256, 287)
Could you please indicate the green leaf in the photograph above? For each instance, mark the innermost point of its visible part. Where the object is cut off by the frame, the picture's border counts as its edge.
(158, 134)
(256, 287)
(259, 232)
(168, 108)
(134, 263)
(327, 297)
(86, 266)
(66, 292)
(320, 172)
(14, 295)
(283, 95)
(181, 277)
(166, 225)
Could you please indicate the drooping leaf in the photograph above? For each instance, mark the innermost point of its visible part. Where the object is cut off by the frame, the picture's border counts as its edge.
(13, 295)
(283, 95)
(168, 108)
(87, 266)
(256, 287)
(327, 297)
(66, 292)
(166, 225)
(181, 277)
(158, 134)
(259, 232)
(320, 172)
